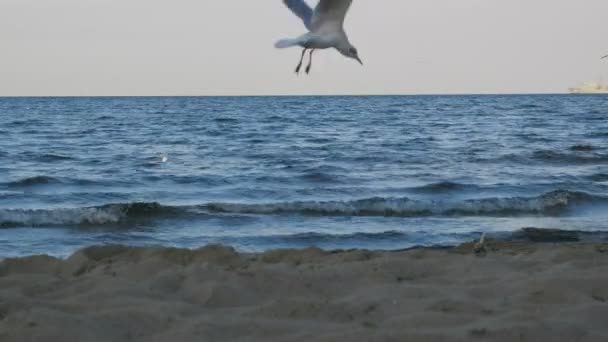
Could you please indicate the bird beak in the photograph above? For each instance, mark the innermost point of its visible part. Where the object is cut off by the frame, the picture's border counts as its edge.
(358, 60)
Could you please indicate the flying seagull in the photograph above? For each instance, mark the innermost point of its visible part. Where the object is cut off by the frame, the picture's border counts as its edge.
(325, 29)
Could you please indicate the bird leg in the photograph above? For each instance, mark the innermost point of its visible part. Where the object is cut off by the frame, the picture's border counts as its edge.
(309, 62)
(301, 60)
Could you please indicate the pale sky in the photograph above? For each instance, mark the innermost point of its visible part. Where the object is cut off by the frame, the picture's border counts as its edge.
(205, 47)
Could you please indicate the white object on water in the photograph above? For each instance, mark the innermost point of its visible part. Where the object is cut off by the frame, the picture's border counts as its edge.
(325, 26)
(163, 157)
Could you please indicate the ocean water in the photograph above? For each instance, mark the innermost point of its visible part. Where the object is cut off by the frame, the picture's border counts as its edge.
(289, 172)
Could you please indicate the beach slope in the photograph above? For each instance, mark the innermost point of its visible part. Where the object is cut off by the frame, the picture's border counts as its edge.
(518, 291)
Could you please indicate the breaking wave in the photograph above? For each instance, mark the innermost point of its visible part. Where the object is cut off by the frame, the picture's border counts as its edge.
(110, 214)
(550, 204)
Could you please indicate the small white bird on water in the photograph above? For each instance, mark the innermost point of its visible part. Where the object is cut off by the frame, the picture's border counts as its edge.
(325, 29)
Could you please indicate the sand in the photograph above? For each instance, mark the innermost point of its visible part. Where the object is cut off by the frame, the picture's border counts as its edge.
(516, 292)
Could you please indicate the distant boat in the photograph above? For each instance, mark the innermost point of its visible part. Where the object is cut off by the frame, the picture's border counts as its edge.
(591, 88)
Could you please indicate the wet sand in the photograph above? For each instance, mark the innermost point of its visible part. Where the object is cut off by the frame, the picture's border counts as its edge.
(517, 291)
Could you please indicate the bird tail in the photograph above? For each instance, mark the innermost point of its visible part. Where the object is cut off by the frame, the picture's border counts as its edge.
(286, 43)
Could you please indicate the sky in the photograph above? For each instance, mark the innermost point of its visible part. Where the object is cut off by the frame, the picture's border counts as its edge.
(205, 47)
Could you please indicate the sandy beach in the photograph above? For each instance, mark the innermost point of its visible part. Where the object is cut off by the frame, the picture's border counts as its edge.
(518, 291)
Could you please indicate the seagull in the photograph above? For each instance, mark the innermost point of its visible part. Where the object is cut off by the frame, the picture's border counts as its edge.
(325, 29)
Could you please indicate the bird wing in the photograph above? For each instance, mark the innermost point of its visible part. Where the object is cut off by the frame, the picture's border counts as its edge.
(301, 9)
(330, 13)
(605, 57)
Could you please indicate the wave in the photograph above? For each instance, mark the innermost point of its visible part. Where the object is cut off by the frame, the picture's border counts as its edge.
(104, 118)
(416, 239)
(312, 237)
(529, 106)
(582, 148)
(442, 187)
(598, 177)
(53, 157)
(34, 181)
(528, 234)
(552, 204)
(124, 214)
(50, 157)
(226, 119)
(110, 214)
(579, 157)
(317, 176)
(28, 122)
(556, 235)
(576, 155)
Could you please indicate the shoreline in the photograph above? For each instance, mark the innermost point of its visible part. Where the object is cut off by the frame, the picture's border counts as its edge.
(383, 241)
(518, 290)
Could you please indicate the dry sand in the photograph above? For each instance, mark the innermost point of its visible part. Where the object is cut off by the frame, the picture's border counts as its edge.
(516, 292)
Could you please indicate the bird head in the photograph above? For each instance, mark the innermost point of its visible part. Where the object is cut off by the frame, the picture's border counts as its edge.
(351, 52)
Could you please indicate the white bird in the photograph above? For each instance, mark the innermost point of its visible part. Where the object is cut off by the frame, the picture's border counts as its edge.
(325, 29)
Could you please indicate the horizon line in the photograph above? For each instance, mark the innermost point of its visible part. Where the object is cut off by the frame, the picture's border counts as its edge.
(292, 95)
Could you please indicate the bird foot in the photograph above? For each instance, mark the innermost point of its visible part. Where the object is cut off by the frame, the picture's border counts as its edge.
(308, 70)
(298, 68)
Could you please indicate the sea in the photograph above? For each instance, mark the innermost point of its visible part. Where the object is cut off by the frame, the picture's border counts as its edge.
(260, 173)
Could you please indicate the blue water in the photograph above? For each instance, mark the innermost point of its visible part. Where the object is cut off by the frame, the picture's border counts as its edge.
(273, 172)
